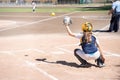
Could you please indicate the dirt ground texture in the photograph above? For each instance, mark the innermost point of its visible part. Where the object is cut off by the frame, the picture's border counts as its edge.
(36, 46)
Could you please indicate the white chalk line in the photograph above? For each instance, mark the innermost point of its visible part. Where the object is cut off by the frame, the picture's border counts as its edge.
(106, 52)
(24, 16)
(5, 23)
(65, 45)
(22, 50)
(39, 21)
(29, 50)
(85, 17)
(69, 51)
(33, 65)
(96, 17)
(61, 48)
(112, 54)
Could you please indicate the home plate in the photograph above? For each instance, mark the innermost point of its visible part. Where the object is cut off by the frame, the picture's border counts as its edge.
(57, 52)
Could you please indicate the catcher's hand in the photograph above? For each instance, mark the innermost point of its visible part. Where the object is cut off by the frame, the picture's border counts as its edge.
(102, 59)
(67, 20)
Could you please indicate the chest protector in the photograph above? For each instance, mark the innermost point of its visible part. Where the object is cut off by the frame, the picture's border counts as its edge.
(89, 48)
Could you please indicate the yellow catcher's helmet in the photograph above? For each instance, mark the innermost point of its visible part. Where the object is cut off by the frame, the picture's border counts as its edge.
(87, 27)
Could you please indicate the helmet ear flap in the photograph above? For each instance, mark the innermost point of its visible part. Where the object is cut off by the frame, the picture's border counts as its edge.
(89, 26)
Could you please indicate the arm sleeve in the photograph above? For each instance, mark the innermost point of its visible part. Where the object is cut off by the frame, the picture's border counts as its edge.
(78, 35)
(113, 6)
(97, 41)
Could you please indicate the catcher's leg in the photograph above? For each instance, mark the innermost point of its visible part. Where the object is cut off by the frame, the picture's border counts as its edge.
(83, 62)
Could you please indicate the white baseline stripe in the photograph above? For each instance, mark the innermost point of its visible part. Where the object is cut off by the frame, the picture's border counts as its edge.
(23, 16)
(40, 70)
(33, 65)
(5, 23)
(22, 50)
(65, 50)
(106, 52)
(68, 45)
(69, 51)
(112, 54)
(65, 45)
(96, 17)
(37, 21)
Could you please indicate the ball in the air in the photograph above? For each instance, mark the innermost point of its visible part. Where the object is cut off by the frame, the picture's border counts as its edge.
(52, 14)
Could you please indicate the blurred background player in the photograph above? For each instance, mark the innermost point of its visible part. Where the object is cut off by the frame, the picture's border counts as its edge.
(90, 48)
(115, 19)
(33, 6)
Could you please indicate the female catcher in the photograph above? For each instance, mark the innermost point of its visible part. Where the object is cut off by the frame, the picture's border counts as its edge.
(90, 48)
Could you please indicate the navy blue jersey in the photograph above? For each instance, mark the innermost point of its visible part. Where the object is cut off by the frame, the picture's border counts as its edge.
(89, 48)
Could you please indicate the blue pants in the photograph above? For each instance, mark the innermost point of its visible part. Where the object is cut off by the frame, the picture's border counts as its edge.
(114, 22)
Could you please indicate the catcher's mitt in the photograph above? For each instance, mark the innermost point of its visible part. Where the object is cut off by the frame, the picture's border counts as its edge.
(100, 61)
(67, 20)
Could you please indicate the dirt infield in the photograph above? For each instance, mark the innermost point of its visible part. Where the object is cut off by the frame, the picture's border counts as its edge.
(35, 46)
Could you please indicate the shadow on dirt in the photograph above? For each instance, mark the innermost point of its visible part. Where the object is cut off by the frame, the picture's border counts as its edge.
(118, 78)
(71, 64)
(117, 65)
(101, 31)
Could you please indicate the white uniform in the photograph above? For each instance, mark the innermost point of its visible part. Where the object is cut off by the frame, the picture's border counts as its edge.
(116, 5)
(33, 6)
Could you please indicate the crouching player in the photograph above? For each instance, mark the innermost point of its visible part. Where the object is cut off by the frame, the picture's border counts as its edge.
(90, 48)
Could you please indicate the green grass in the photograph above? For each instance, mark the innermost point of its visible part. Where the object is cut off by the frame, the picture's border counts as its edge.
(37, 9)
(56, 9)
(102, 8)
(15, 10)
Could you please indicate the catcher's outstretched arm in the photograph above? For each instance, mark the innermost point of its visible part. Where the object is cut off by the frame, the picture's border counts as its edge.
(101, 53)
(69, 31)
